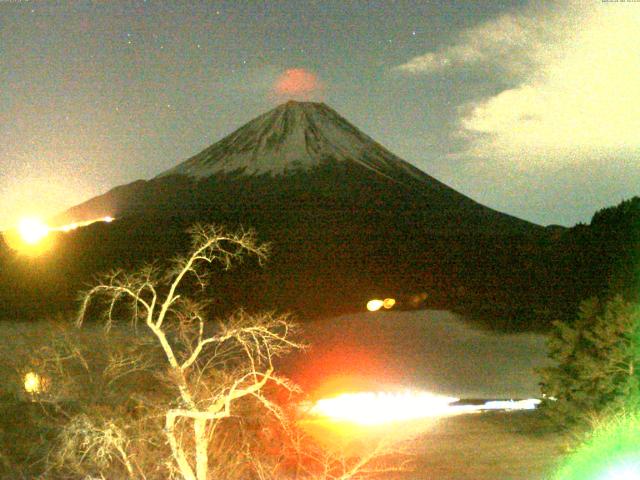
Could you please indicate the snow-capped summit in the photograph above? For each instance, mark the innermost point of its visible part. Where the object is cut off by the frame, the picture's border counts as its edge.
(309, 157)
(346, 218)
(293, 136)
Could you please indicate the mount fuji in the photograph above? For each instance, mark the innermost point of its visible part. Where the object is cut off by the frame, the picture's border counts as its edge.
(299, 141)
(347, 220)
(292, 137)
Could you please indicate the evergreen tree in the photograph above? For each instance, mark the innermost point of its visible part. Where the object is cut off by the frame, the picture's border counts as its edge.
(596, 361)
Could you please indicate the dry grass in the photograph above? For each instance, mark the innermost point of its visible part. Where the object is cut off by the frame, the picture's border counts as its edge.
(481, 446)
(489, 446)
(492, 446)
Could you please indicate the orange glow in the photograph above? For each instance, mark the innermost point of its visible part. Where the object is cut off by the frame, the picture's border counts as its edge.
(35, 383)
(297, 81)
(388, 303)
(32, 235)
(377, 408)
(32, 230)
(374, 305)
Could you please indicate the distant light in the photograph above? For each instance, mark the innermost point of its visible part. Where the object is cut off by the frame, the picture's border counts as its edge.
(296, 82)
(32, 236)
(32, 230)
(33, 383)
(389, 303)
(374, 305)
(418, 299)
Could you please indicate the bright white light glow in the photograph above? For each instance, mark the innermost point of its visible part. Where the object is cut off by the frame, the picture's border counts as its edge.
(32, 230)
(372, 408)
(528, 404)
(31, 235)
(627, 471)
(374, 305)
(377, 408)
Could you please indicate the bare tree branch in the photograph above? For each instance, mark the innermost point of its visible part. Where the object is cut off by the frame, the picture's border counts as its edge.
(256, 339)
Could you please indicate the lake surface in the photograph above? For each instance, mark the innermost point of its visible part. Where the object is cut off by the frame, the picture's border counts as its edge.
(436, 351)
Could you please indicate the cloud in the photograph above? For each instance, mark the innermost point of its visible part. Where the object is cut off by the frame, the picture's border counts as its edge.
(434, 61)
(506, 37)
(573, 70)
(579, 99)
(297, 83)
(557, 136)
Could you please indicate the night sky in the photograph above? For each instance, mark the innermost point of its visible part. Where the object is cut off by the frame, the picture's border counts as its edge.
(531, 108)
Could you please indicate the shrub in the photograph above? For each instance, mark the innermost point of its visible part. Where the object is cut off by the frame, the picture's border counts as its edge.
(596, 359)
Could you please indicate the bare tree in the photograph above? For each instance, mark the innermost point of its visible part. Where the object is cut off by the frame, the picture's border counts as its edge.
(212, 367)
(367, 455)
(216, 393)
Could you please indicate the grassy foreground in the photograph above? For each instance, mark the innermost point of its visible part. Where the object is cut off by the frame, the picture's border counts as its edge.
(489, 446)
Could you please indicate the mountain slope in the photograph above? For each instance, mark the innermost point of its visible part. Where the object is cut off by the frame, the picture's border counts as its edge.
(346, 219)
(302, 143)
(295, 136)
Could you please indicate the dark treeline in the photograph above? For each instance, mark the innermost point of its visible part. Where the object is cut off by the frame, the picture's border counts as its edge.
(333, 249)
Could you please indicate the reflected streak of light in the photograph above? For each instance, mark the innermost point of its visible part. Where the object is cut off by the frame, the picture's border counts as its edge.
(377, 408)
(73, 226)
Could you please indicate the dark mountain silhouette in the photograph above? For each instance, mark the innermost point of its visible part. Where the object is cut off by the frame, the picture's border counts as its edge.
(309, 147)
(603, 257)
(347, 219)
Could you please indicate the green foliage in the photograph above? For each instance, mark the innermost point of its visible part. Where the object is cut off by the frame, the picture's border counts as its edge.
(617, 232)
(596, 359)
(611, 452)
(624, 216)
